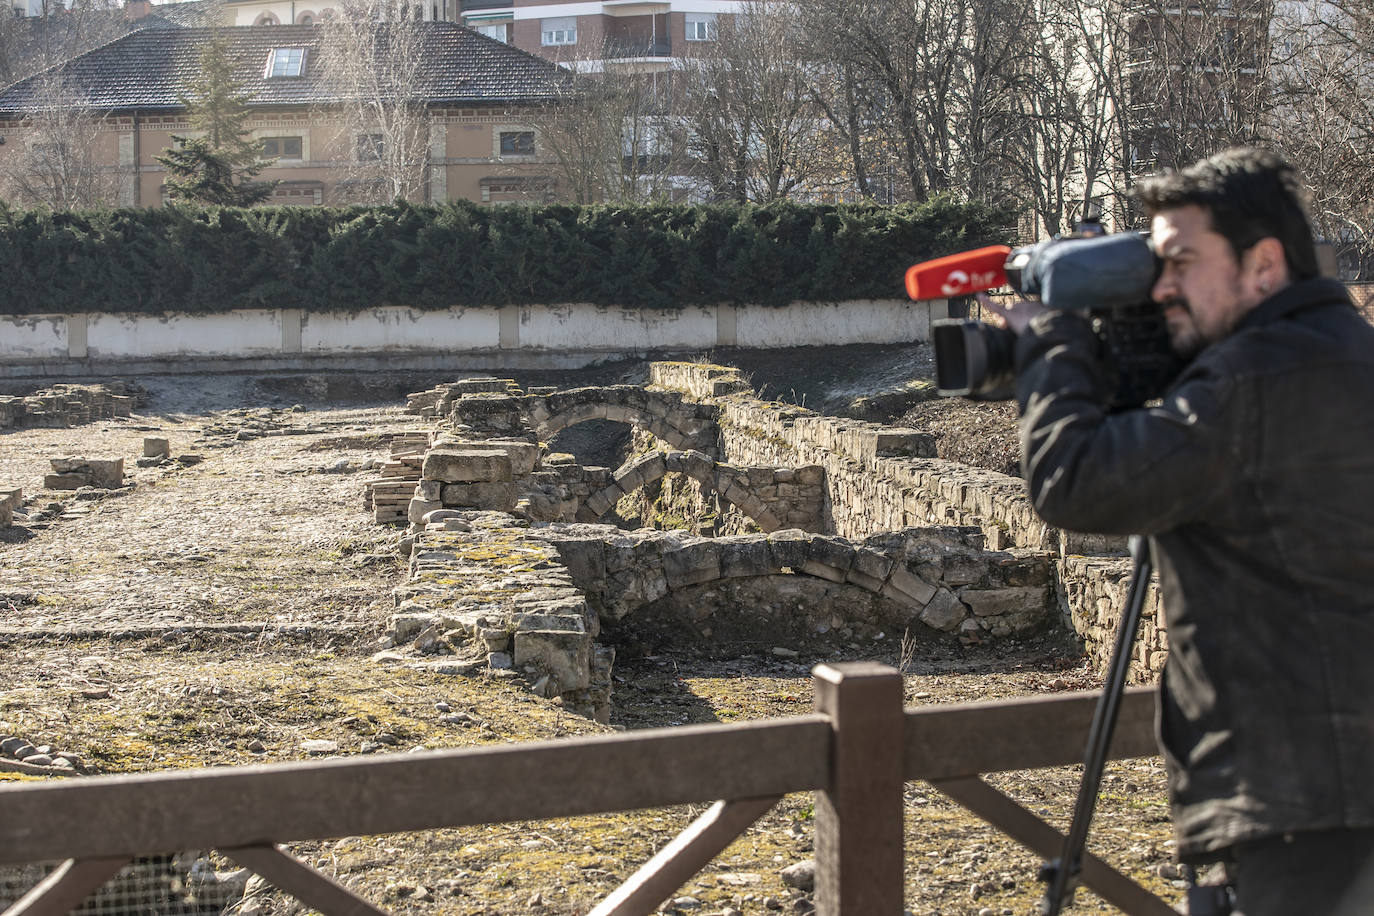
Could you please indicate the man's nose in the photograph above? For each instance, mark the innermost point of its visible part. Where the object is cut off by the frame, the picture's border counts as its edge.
(1165, 288)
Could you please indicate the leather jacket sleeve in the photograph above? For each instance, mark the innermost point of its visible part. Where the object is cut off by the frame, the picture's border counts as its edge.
(1137, 471)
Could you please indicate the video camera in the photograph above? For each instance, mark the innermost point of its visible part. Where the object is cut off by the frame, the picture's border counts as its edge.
(1106, 277)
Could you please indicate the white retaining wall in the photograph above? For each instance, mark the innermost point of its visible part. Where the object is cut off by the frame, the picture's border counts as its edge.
(563, 336)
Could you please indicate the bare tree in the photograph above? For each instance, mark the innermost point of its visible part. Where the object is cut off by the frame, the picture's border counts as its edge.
(31, 44)
(610, 135)
(56, 164)
(754, 128)
(937, 78)
(372, 59)
(1323, 119)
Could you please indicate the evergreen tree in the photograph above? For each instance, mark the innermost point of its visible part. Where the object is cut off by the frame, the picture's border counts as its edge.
(218, 167)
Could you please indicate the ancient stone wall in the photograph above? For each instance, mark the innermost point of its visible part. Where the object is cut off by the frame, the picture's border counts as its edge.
(882, 479)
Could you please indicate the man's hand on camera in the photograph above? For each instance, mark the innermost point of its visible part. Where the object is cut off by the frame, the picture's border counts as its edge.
(1016, 315)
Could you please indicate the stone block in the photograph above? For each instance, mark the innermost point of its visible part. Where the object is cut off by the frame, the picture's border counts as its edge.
(944, 612)
(788, 548)
(562, 656)
(6, 515)
(920, 590)
(467, 466)
(493, 495)
(70, 480)
(155, 447)
(745, 556)
(692, 565)
(872, 564)
(823, 571)
(12, 496)
(106, 473)
(831, 552)
(419, 508)
(430, 490)
(991, 602)
(524, 455)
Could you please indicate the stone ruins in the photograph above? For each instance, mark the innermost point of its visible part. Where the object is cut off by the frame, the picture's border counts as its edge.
(511, 567)
(71, 405)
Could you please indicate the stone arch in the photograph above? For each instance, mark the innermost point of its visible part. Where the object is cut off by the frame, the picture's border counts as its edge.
(644, 419)
(698, 561)
(681, 424)
(267, 18)
(306, 18)
(697, 465)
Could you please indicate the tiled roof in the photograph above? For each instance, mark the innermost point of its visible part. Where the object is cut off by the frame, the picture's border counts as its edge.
(189, 14)
(149, 69)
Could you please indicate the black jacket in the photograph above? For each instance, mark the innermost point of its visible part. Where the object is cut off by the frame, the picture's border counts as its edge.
(1255, 480)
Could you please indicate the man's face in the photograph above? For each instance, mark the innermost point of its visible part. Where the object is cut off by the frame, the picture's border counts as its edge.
(1203, 289)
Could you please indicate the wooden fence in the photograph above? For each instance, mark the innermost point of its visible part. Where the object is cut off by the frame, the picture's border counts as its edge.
(855, 752)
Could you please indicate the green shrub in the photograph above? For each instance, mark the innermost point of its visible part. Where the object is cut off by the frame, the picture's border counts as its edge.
(185, 258)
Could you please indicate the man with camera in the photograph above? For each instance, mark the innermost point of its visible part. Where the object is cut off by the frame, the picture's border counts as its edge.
(1254, 479)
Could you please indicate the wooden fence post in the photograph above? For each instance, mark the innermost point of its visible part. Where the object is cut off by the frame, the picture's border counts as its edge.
(859, 853)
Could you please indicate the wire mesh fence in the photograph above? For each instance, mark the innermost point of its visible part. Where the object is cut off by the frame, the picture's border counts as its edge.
(178, 884)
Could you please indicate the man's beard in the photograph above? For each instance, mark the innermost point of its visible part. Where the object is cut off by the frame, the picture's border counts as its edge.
(1186, 341)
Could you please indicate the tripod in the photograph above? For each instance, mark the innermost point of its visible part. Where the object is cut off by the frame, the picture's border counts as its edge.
(1061, 874)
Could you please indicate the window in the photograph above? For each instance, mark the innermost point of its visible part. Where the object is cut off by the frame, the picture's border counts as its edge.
(285, 62)
(701, 26)
(559, 31)
(369, 147)
(305, 19)
(282, 147)
(492, 31)
(517, 143)
(267, 19)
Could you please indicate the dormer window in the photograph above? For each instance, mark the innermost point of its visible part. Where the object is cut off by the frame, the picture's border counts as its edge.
(285, 62)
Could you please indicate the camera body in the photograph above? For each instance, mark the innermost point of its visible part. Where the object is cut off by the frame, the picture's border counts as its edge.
(1108, 278)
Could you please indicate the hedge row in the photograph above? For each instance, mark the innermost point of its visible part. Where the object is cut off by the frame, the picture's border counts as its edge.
(198, 259)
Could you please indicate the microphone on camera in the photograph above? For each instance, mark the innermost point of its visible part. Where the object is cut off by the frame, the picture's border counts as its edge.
(958, 274)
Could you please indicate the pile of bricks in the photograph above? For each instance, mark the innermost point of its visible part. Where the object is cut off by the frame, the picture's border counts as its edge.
(71, 405)
(388, 496)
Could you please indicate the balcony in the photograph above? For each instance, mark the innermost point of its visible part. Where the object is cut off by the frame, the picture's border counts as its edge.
(621, 48)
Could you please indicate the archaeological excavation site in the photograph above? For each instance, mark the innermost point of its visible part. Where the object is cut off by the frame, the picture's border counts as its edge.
(214, 574)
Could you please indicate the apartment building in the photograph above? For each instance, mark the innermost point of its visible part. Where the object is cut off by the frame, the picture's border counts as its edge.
(632, 34)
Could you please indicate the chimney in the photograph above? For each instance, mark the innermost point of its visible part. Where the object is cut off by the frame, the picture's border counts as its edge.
(135, 10)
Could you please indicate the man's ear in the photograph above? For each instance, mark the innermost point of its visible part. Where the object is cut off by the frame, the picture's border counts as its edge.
(1266, 265)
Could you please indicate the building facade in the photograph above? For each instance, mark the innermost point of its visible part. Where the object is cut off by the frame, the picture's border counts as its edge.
(473, 96)
(603, 33)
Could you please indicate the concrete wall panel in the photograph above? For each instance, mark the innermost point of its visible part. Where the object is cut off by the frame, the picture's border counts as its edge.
(812, 323)
(123, 336)
(594, 327)
(33, 336)
(400, 329)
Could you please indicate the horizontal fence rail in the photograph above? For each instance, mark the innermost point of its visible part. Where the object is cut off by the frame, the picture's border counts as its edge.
(856, 752)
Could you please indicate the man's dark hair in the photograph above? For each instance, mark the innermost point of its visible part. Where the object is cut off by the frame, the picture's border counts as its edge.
(1250, 193)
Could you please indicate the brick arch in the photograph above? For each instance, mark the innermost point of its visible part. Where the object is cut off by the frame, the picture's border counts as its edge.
(697, 465)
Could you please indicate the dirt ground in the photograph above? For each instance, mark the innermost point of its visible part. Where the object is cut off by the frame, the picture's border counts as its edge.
(225, 612)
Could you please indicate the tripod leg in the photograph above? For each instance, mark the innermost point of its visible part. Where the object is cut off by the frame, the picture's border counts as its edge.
(1062, 872)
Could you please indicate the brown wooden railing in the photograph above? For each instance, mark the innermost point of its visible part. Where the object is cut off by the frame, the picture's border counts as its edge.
(855, 752)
